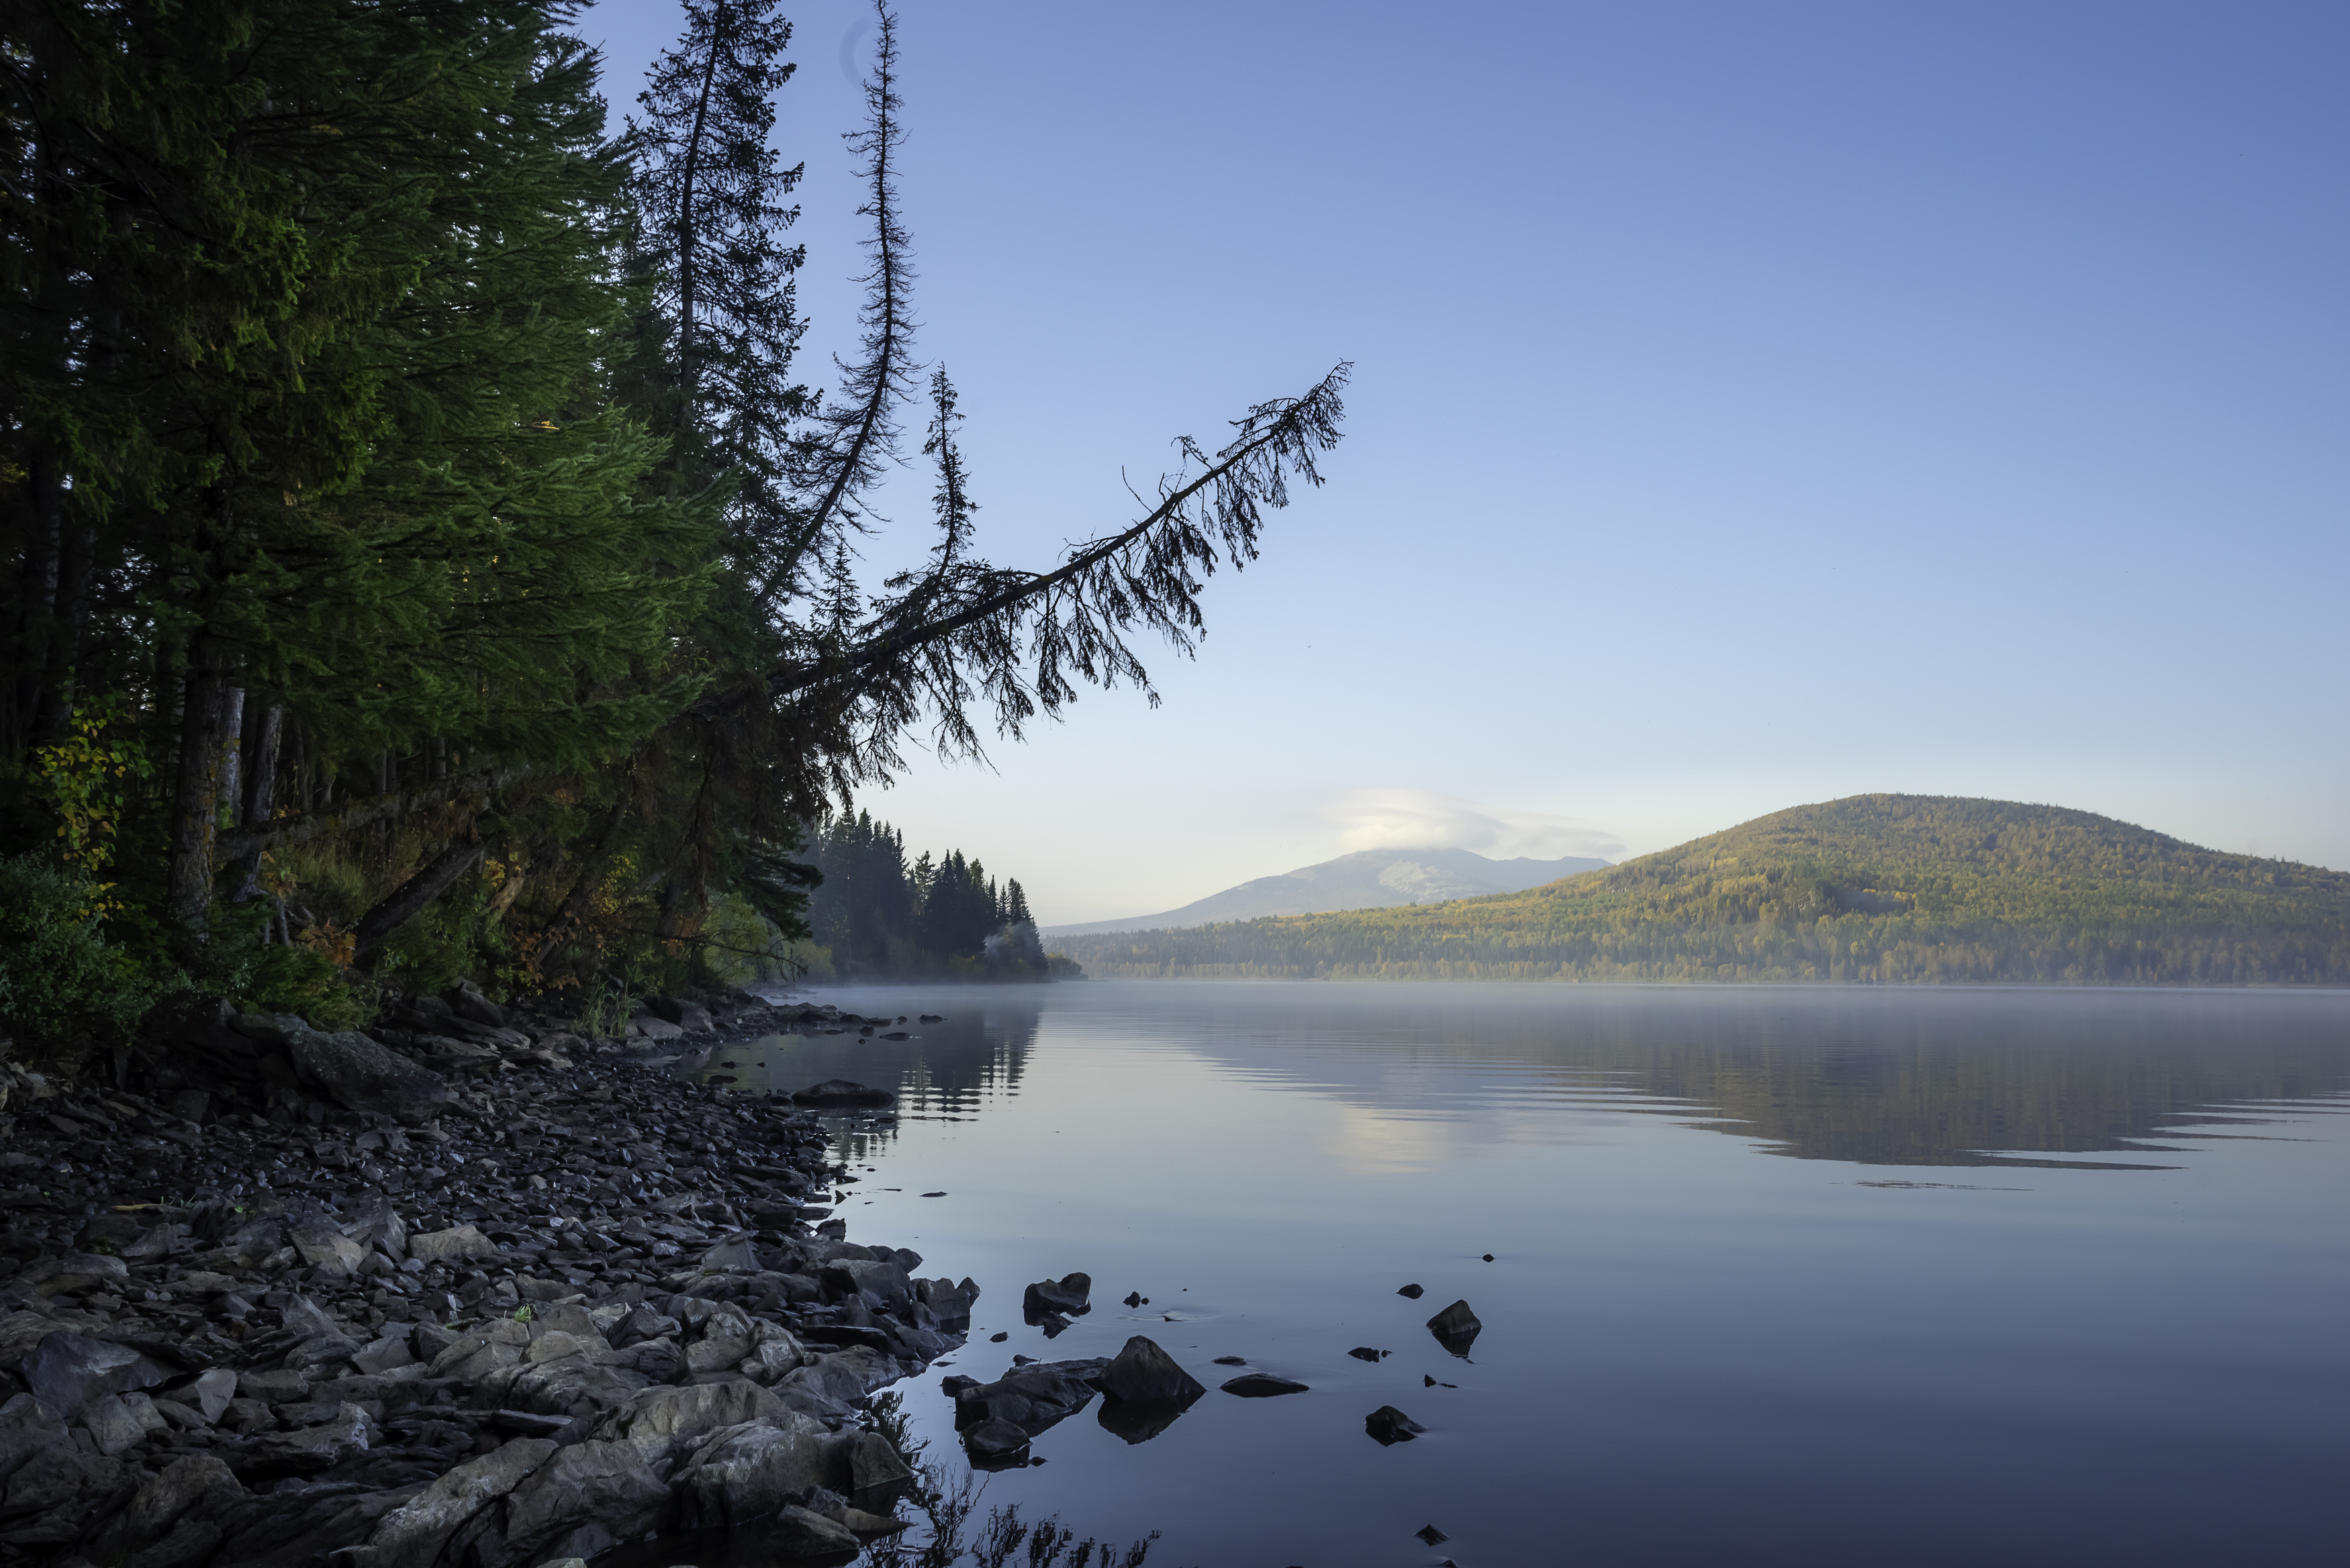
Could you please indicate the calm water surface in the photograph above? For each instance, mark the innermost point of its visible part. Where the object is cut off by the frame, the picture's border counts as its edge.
(1831, 1276)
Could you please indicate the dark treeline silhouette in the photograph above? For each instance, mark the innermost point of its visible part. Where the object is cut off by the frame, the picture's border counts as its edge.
(878, 914)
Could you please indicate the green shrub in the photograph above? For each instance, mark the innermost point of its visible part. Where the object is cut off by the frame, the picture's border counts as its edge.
(63, 986)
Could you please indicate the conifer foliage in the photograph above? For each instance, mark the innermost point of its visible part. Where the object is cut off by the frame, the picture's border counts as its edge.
(406, 481)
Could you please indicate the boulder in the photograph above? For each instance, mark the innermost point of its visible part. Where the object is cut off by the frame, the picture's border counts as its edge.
(65, 1371)
(994, 1445)
(305, 1450)
(1144, 1372)
(1262, 1386)
(361, 1075)
(884, 1285)
(383, 1354)
(411, 1535)
(604, 1483)
(946, 1301)
(799, 1532)
(690, 1017)
(758, 1468)
(56, 1492)
(458, 1244)
(1070, 1294)
(327, 1249)
(575, 1386)
(73, 1274)
(667, 1423)
(162, 1498)
(652, 1026)
(1392, 1426)
(1456, 1328)
(874, 1461)
(213, 1390)
(1034, 1397)
(112, 1426)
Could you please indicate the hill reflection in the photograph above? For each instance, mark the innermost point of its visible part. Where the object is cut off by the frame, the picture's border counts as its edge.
(2106, 1080)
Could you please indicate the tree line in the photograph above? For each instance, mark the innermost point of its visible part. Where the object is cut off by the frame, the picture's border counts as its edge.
(878, 914)
(423, 555)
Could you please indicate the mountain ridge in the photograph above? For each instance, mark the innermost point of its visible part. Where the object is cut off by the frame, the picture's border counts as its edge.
(1886, 887)
(1365, 879)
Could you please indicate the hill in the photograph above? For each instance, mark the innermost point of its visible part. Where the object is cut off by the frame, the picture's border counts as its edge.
(1367, 879)
(1877, 888)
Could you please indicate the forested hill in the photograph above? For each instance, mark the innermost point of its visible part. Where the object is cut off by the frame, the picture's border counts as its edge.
(1878, 887)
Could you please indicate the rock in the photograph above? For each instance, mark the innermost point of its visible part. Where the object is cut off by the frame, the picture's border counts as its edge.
(1392, 1426)
(1430, 1535)
(411, 1535)
(1456, 1328)
(757, 1468)
(383, 1354)
(946, 1301)
(1365, 1352)
(1070, 1294)
(666, 1423)
(467, 1003)
(110, 1423)
(797, 1533)
(884, 1285)
(842, 1092)
(690, 1017)
(75, 1274)
(874, 1462)
(1034, 1397)
(995, 1444)
(1144, 1373)
(1411, 1291)
(65, 1371)
(575, 1386)
(1137, 1420)
(1262, 1386)
(162, 1498)
(361, 1075)
(605, 1483)
(327, 1250)
(858, 1520)
(458, 1244)
(54, 1494)
(305, 1450)
(652, 1026)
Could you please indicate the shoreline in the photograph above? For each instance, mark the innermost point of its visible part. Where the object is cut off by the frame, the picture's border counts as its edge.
(491, 1295)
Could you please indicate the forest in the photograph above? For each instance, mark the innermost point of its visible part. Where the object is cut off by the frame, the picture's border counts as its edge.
(424, 556)
(876, 915)
(1880, 888)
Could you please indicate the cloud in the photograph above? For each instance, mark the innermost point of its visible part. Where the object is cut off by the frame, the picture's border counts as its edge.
(1422, 819)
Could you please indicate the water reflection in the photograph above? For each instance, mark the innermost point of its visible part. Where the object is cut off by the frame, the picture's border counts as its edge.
(1893, 1077)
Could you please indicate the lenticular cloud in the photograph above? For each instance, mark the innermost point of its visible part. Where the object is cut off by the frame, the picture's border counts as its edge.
(1422, 819)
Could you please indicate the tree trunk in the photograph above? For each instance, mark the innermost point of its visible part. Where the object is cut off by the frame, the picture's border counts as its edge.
(261, 790)
(205, 738)
(408, 900)
(591, 871)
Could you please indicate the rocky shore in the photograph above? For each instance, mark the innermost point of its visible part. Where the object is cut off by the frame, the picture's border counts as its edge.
(466, 1290)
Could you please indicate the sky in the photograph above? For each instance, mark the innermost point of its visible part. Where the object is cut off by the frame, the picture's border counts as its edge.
(1753, 405)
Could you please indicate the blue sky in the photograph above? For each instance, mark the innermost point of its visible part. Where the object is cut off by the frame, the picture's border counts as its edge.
(1754, 404)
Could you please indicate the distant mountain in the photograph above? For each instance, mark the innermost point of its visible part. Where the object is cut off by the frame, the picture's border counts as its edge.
(1876, 888)
(1367, 879)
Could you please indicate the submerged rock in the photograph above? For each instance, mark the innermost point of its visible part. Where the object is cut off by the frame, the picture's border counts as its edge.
(1392, 1426)
(1263, 1386)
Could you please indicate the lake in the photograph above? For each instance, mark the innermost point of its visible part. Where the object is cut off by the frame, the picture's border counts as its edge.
(1778, 1274)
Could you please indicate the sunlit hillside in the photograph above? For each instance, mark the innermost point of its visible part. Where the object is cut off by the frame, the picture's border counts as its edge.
(1871, 888)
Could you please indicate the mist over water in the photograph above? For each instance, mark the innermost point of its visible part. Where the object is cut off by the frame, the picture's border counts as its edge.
(1830, 1275)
